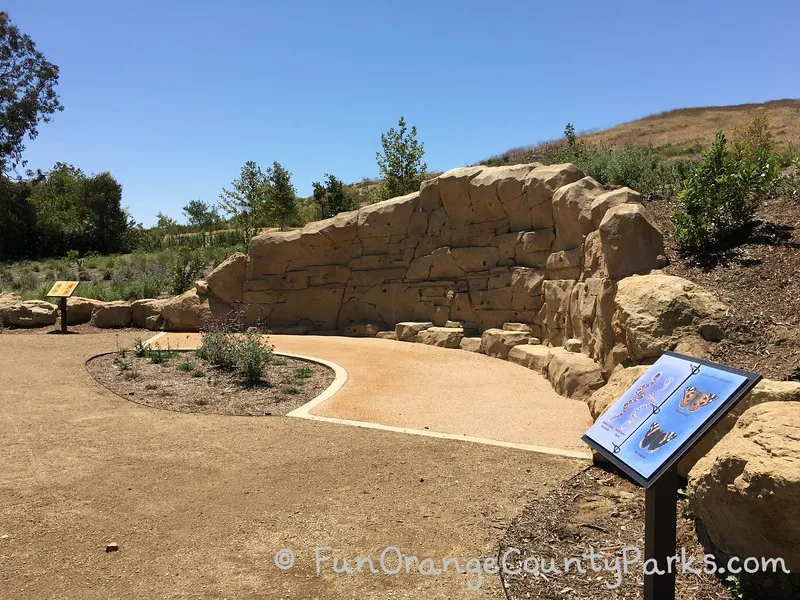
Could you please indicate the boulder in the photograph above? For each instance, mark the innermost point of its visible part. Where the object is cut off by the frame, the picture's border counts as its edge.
(573, 345)
(498, 342)
(470, 344)
(444, 337)
(572, 212)
(146, 314)
(532, 356)
(186, 312)
(619, 381)
(386, 335)
(574, 375)
(655, 312)
(518, 327)
(7, 301)
(746, 490)
(630, 241)
(112, 315)
(407, 331)
(32, 313)
(79, 310)
(226, 281)
(604, 202)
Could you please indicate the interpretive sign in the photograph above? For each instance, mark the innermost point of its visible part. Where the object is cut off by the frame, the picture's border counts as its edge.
(651, 427)
(665, 412)
(62, 289)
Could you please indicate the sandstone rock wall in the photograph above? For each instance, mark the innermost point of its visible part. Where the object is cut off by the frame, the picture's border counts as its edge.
(479, 245)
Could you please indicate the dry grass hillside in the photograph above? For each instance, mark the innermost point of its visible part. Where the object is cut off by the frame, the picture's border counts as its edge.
(685, 132)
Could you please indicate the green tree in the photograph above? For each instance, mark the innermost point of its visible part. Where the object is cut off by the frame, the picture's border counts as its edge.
(332, 197)
(282, 196)
(248, 200)
(400, 162)
(79, 212)
(27, 92)
(202, 215)
(17, 220)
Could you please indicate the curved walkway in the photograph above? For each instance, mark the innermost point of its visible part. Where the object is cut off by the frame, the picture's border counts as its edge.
(426, 390)
(199, 504)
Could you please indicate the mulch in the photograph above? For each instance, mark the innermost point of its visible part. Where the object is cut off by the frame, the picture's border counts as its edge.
(601, 510)
(287, 384)
(759, 279)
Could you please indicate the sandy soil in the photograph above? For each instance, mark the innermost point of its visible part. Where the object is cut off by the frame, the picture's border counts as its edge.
(199, 504)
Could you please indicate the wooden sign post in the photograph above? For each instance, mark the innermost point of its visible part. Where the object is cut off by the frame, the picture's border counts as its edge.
(652, 426)
(63, 290)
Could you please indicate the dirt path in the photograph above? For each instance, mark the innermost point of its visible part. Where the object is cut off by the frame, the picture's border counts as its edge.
(199, 504)
(421, 387)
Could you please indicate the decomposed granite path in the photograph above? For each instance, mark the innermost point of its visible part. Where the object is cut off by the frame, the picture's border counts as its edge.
(200, 504)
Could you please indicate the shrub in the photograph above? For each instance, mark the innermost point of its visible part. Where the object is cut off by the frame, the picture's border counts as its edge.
(251, 356)
(185, 270)
(217, 346)
(722, 195)
(186, 365)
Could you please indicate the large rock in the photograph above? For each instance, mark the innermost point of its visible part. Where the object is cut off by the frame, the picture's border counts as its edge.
(746, 491)
(532, 356)
(187, 312)
(574, 375)
(32, 313)
(603, 203)
(619, 381)
(226, 281)
(444, 337)
(572, 212)
(498, 342)
(7, 301)
(146, 314)
(470, 344)
(631, 242)
(655, 311)
(407, 330)
(79, 310)
(112, 315)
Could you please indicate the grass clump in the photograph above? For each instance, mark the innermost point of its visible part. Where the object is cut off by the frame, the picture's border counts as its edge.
(290, 391)
(186, 365)
(302, 373)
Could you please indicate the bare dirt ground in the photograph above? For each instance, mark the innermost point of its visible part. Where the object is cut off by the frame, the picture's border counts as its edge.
(184, 382)
(199, 504)
(760, 280)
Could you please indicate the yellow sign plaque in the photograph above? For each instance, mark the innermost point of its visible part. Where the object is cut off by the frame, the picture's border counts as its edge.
(63, 289)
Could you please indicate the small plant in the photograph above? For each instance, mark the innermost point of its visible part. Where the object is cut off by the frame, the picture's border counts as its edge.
(290, 391)
(734, 585)
(139, 348)
(683, 502)
(795, 375)
(198, 373)
(251, 356)
(278, 362)
(186, 366)
(160, 356)
(302, 373)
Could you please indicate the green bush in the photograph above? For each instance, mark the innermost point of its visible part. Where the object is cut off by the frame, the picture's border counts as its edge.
(217, 346)
(187, 267)
(251, 356)
(722, 195)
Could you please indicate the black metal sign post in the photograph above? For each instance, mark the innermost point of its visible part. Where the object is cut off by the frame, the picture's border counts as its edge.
(660, 531)
(63, 305)
(652, 426)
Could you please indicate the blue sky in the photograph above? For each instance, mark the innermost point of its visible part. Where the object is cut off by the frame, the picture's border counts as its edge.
(173, 97)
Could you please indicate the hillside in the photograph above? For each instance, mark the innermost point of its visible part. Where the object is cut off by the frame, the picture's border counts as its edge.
(684, 132)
